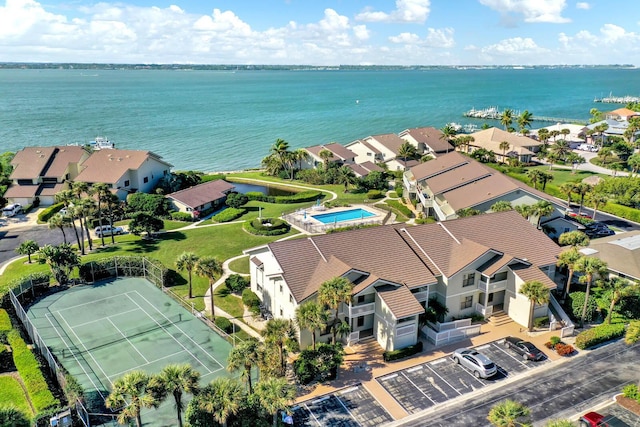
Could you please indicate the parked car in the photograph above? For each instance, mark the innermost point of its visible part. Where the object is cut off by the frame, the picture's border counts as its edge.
(525, 349)
(599, 232)
(12, 210)
(107, 230)
(594, 419)
(479, 364)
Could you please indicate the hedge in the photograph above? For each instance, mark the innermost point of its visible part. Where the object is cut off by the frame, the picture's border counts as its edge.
(598, 335)
(5, 325)
(374, 194)
(47, 213)
(224, 324)
(577, 304)
(388, 356)
(622, 211)
(29, 370)
(633, 333)
(182, 216)
(303, 196)
(228, 214)
(258, 227)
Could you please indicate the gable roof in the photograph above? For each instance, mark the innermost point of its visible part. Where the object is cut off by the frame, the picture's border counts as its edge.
(363, 169)
(31, 162)
(429, 136)
(62, 158)
(400, 301)
(109, 166)
(201, 194)
(339, 151)
(621, 252)
(491, 138)
(390, 141)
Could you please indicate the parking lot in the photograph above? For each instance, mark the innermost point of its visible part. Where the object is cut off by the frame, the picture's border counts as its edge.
(353, 406)
(422, 386)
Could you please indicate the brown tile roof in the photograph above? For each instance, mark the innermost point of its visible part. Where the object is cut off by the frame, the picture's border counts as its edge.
(530, 272)
(31, 162)
(371, 167)
(490, 267)
(109, 166)
(439, 165)
(201, 194)
(51, 189)
(479, 191)
(621, 252)
(492, 137)
(370, 146)
(358, 169)
(458, 177)
(430, 136)
(20, 191)
(389, 140)
(400, 301)
(339, 151)
(62, 158)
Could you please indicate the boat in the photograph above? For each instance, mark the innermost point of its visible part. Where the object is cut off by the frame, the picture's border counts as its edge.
(101, 143)
(456, 126)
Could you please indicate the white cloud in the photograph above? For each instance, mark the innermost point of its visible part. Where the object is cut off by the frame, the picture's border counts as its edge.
(583, 5)
(516, 46)
(440, 38)
(405, 38)
(406, 11)
(532, 10)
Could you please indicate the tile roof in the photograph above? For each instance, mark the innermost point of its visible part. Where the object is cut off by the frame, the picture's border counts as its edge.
(430, 136)
(621, 252)
(47, 189)
(390, 141)
(31, 162)
(201, 194)
(492, 137)
(530, 272)
(62, 158)
(21, 191)
(439, 165)
(109, 166)
(338, 150)
(400, 301)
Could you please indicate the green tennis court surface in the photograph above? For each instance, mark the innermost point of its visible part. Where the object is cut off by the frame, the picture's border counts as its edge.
(100, 332)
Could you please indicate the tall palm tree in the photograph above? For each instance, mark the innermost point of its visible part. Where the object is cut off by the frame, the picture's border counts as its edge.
(101, 190)
(506, 119)
(538, 294)
(524, 120)
(589, 267)
(567, 189)
(175, 380)
(326, 156)
(333, 292)
(543, 208)
(66, 197)
(448, 132)
(504, 146)
(298, 156)
(509, 413)
(222, 398)
(598, 199)
(279, 332)
(346, 176)
(525, 210)
(59, 221)
(543, 135)
(619, 288)
(85, 207)
(581, 189)
(187, 261)
(407, 151)
(568, 259)
(535, 177)
(245, 356)
(564, 132)
(312, 316)
(131, 392)
(561, 148)
(545, 177)
(209, 267)
(275, 394)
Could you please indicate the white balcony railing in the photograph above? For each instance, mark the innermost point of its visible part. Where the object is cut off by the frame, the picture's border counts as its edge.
(362, 310)
(492, 286)
(421, 296)
(485, 311)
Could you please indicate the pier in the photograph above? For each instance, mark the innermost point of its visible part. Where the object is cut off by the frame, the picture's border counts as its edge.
(627, 99)
(493, 113)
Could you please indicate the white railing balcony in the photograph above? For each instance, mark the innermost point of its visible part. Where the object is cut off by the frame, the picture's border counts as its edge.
(492, 286)
(362, 310)
(410, 185)
(485, 311)
(424, 199)
(421, 296)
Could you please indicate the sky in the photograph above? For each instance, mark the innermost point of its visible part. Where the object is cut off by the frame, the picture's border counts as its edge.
(322, 32)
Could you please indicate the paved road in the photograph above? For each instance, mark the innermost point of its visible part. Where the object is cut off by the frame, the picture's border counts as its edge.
(17, 231)
(562, 391)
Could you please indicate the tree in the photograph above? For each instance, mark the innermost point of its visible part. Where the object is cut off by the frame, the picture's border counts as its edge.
(534, 176)
(501, 206)
(634, 162)
(509, 413)
(143, 222)
(525, 210)
(131, 392)
(604, 153)
(209, 267)
(576, 160)
(589, 267)
(543, 136)
(298, 156)
(102, 193)
(574, 239)
(581, 189)
(567, 189)
(448, 132)
(346, 176)
(80, 210)
(85, 208)
(565, 132)
(153, 204)
(62, 259)
(187, 261)
(245, 356)
(524, 120)
(275, 394)
(59, 221)
(222, 398)
(619, 288)
(545, 177)
(312, 316)
(114, 208)
(326, 156)
(538, 294)
(175, 380)
(568, 259)
(334, 292)
(541, 209)
(12, 417)
(279, 332)
(598, 199)
(506, 119)
(504, 146)
(67, 198)
(561, 148)
(28, 247)
(465, 212)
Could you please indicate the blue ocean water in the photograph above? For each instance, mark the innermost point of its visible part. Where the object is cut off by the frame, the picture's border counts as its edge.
(213, 121)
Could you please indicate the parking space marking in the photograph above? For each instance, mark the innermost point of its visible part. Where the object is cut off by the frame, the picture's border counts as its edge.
(446, 382)
(526, 365)
(346, 409)
(419, 389)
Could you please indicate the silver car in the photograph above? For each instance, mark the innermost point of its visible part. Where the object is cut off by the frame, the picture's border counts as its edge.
(479, 364)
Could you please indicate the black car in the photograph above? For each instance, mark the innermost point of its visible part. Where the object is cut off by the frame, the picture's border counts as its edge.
(601, 232)
(525, 349)
(596, 226)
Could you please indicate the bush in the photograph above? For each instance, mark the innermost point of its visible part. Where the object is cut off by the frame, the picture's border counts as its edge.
(400, 207)
(388, 356)
(563, 349)
(236, 200)
(555, 340)
(598, 335)
(154, 204)
(236, 283)
(182, 216)
(633, 333)
(305, 368)
(577, 303)
(258, 196)
(29, 370)
(629, 307)
(539, 322)
(622, 211)
(374, 194)
(228, 214)
(5, 325)
(267, 227)
(251, 300)
(224, 324)
(47, 213)
(303, 196)
(321, 364)
(631, 391)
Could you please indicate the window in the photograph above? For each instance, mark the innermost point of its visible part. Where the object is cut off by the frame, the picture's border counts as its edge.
(469, 279)
(280, 288)
(490, 298)
(290, 298)
(259, 286)
(361, 321)
(281, 313)
(146, 179)
(126, 183)
(360, 299)
(466, 302)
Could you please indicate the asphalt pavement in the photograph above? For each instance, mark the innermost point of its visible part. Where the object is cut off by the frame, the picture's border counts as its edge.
(14, 231)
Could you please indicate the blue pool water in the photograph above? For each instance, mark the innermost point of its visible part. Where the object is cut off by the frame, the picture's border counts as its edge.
(349, 215)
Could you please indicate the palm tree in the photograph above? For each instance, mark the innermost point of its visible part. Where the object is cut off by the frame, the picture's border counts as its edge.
(346, 176)
(61, 259)
(222, 398)
(448, 132)
(634, 162)
(553, 134)
(568, 259)
(524, 120)
(506, 118)
(175, 380)
(312, 316)
(538, 294)
(298, 156)
(333, 292)
(275, 394)
(67, 198)
(131, 392)
(525, 210)
(279, 332)
(543, 135)
(28, 247)
(589, 267)
(501, 206)
(567, 189)
(581, 189)
(59, 221)
(543, 208)
(509, 413)
(245, 355)
(576, 160)
(619, 288)
(10, 415)
(561, 148)
(407, 151)
(326, 156)
(545, 177)
(604, 153)
(187, 261)
(102, 193)
(85, 207)
(598, 199)
(535, 176)
(564, 133)
(504, 146)
(209, 267)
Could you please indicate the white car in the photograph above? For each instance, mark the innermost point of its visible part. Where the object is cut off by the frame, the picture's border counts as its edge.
(479, 364)
(107, 230)
(12, 210)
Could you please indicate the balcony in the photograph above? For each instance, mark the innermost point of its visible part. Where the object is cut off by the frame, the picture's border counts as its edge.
(424, 199)
(421, 296)
(409, 185)
(492, 286)
(362, 310)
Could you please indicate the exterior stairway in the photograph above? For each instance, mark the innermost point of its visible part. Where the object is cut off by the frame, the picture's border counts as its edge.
(499, 318)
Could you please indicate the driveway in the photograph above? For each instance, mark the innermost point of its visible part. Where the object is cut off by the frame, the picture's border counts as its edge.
(15, 230)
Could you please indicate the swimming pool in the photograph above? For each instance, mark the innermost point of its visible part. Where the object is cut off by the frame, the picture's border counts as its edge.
(327, 218)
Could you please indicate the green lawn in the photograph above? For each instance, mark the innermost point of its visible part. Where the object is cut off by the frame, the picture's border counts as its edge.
(11, 393)
(230, 303)
(240, 266)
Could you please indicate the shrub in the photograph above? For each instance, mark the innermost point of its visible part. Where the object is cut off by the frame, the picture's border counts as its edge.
(598, 335)
(236, 283)
(267, 227)
(564, 349)
(633, 333)
(303, 196)
(631, 391)
(321, 364)
(236, 200)
(549, 345)
(50, 211)
(336, 204)
(305, 368)
(539, 322)
(224, 324)
(388, 356)
(629, 307)
(555, 340)
(251, 300)
(374, 194)
(182, 216)
(258, 196)
(622, 211)
(577, 303)
(5, 325)
(228, 214)
(29, 370)
(400, 207)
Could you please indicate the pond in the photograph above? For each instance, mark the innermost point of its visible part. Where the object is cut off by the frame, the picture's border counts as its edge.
(264, 189)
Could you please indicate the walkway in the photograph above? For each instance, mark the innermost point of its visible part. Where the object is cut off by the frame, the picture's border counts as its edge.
(588, 166)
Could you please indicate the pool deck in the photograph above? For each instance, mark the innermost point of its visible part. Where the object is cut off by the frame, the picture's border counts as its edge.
(304, 220)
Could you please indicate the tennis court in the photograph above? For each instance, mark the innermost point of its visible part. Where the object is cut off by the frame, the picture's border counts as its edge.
(100, 332)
